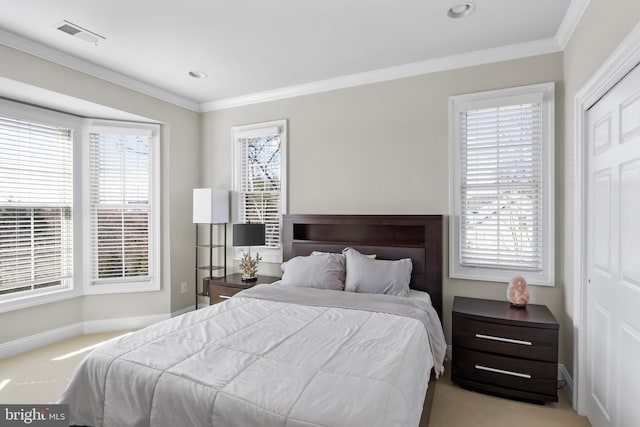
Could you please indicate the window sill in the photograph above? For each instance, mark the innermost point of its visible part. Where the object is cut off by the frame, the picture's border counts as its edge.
(268, 255)
(121, 287)
(500, 276)
(27, 301)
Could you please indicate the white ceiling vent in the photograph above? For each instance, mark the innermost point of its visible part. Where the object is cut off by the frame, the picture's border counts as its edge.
(79, 32)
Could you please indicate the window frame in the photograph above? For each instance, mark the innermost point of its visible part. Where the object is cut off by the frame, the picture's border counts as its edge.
(495, 98)
(113, 286)
(35, 114)
(79, 282)
(272, 255)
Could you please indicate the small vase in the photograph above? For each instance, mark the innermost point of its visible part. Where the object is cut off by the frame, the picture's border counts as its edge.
(247, 278)
(517, 292)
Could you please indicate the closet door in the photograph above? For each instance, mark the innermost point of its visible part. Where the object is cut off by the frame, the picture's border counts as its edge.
(613, 256)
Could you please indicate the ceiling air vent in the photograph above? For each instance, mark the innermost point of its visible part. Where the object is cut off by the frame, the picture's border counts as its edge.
(79, 32)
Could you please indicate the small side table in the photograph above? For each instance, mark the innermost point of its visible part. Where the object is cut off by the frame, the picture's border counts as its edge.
(506, 351)
(223, 288)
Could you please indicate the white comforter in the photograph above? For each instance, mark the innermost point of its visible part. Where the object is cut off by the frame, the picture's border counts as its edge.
(254, 362)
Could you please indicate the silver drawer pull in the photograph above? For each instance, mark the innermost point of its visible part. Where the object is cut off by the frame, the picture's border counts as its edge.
(509, 340)
(500, 371)
(223, 296)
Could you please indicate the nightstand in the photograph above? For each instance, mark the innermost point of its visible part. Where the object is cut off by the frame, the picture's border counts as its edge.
(505, 351)
(222, 288)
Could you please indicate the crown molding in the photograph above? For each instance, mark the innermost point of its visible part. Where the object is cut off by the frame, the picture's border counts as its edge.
(469, 59)
(571, 20)
(41, 51)
(479, 57)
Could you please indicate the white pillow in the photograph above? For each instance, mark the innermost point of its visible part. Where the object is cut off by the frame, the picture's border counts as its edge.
(374, 276)
(322, 271)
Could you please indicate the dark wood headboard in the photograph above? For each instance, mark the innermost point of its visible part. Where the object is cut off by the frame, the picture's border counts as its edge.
(390, 237)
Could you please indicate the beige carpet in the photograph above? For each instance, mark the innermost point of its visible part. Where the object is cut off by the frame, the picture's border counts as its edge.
(455, 406)
(40, 376)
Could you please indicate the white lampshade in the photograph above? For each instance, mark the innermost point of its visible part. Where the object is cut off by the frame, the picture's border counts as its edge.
(210, 206)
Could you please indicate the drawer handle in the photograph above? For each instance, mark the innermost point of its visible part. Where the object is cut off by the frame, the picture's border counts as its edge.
(223, 296)
(509, 340)
(500, 371)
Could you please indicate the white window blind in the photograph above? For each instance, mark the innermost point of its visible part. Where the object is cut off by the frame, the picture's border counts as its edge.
(501, 187)
(260, 178)
(36, 195)
(260, 183)
(121, 177)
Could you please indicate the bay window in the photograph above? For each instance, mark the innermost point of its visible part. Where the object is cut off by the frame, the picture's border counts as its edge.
(79, 206)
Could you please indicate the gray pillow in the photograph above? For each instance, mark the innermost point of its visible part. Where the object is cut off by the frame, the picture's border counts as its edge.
(322, 271)
(320, 253)
(374, 276)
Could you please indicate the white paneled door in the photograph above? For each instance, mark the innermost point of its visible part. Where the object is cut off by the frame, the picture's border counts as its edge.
(613, 257)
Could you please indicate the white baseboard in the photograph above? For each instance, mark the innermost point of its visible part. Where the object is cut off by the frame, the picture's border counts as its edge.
(32, 342)
(117, 324)
(183, 311)
(563, 375)
(21, 345)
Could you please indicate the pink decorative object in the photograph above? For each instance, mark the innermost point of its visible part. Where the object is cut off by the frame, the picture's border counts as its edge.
(517, 292)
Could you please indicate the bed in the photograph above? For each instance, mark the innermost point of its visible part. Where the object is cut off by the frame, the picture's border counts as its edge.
(286, 356)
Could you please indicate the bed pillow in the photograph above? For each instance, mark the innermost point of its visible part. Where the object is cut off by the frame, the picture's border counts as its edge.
(322, 271)
(320, 253)
(374, 276)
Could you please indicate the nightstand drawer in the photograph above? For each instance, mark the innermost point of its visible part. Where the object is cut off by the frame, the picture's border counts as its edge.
(520, 341)
(219, 293)
(505, 372)
(223, 288)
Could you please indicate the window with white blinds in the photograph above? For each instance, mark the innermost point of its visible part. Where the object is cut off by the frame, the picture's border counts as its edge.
(502, 211)
(260, 179)
(121, 205)
(36, 196)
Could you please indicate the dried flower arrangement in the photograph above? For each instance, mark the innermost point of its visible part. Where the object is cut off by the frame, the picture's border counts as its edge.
(249, 266)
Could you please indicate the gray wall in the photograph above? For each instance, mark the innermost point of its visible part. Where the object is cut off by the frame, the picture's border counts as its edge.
(180, 147)
(383, 148)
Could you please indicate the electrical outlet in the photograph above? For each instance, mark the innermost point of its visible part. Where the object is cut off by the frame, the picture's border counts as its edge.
(183, 287)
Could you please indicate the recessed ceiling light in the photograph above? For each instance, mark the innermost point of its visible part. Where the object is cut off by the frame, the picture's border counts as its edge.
(460, 10)
(196, 74)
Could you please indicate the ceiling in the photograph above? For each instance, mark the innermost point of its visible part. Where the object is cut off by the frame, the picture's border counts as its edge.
(253, 47)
